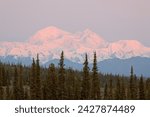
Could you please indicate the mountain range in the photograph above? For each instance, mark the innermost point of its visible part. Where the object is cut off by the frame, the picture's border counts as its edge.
(50, 41)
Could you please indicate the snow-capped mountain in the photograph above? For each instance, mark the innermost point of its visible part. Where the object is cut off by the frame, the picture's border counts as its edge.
(49, 43)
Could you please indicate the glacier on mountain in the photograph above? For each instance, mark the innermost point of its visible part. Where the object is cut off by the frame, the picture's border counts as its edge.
(49, 43)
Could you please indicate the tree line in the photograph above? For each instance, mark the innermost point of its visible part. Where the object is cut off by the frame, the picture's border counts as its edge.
(18, 82)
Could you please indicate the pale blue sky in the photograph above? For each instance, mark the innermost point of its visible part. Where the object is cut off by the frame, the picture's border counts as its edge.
(111, 19)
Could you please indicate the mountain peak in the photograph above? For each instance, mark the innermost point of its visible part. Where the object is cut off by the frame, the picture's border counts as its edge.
(91, 39)
(50, 41)
(47, 34)
(130, 43)
(87, 30)
(51, 29)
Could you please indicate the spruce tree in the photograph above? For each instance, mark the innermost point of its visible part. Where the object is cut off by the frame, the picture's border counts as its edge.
(21, 90)
(7, 92)
(7, 96)
(3, 76)
(33, 81)
(95, 80)
(70, 84)
(141, 89)
(123, 90)
(135, 87)
(54, 81)
(26, 94)
(1, 86)
(61, 78)
(106, 92)
(85, 92)
(148, 89)
(132, 86)
(110, 89)
(38, 80)
(16, 85)
(51, 84)
(118, 90)
(78, 87)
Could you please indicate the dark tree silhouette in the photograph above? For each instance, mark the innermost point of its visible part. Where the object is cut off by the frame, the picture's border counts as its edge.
(85, 92)
(61, 78)
(141, 89)
(95, 80)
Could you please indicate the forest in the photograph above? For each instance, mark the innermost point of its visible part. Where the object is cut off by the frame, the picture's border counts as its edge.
(35, 82)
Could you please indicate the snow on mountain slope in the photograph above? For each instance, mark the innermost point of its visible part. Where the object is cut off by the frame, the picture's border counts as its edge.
(49, 43)
(129, 48)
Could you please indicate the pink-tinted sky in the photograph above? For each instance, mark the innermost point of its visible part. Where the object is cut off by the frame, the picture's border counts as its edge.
(112, 19)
